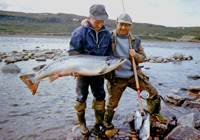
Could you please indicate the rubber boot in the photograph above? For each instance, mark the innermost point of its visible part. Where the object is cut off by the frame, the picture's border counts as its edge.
(81, 118)
(154, 107)
(99, 110)
(108, 116)
(99, 115)
(80, 107)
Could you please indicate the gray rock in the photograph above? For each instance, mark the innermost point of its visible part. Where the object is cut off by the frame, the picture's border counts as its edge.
(41, 59)
(26, 58)
(38, 55)
(191, 104)
(193, 76)
(159, 59)
(188, 120)
(10, 60)
(187, 57)
(183, 132)
(177, 56)
(174, 99)
(11, 68)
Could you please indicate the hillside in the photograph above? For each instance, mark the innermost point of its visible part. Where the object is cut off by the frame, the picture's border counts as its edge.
(64, 24)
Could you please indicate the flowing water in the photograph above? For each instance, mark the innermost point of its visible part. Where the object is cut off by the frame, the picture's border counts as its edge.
(50, 113)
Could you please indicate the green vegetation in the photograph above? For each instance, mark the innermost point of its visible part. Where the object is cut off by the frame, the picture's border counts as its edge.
(64, 24)
(197, 37)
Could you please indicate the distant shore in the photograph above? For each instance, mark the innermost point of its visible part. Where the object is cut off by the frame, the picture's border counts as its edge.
(35, 35)
(144, 38)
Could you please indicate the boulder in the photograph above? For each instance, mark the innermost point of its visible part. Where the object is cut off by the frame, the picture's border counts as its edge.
(187, 57)
(9, 60)
(11, 68)
(191, 104)
(174, 99)
(183, 132)
(193, 76)
(177, 56)
(194, 89)
(188, 120)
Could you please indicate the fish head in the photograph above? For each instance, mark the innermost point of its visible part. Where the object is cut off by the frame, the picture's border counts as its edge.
(111, 63)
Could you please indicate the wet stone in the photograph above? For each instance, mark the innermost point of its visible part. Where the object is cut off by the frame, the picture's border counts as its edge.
(10, 60)
(191, 104)
(188, 120)
(193, 76)
(41, 59)
(11, 68)
(183, 132)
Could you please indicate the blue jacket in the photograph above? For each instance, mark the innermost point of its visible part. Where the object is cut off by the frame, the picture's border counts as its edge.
(85, 40)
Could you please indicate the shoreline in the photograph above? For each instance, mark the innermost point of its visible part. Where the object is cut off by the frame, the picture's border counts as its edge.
(60, 36)
(34, 35)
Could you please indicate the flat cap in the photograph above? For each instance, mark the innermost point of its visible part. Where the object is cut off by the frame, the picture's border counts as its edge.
(124, 18)
(98, 12)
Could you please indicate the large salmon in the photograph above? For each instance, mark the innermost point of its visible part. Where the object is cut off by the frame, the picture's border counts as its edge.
(75, 65)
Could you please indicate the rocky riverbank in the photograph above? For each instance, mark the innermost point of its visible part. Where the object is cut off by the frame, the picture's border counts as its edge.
(42, 55)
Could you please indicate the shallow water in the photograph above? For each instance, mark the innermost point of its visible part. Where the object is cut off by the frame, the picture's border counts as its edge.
(50, 113)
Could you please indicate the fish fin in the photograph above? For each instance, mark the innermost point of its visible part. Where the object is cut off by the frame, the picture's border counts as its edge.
(75, 74)
(29, 81)
(52, 78)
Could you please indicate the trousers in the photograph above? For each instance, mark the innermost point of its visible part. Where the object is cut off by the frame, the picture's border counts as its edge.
(116, 89)
(96, 83)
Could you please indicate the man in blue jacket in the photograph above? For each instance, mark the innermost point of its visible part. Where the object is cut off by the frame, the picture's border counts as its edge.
(93, 39)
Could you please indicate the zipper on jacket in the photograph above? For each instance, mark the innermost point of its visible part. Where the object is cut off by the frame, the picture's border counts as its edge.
(97, 39)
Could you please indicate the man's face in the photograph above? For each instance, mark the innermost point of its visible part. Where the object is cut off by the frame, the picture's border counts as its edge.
(96, 24)
(123, 28)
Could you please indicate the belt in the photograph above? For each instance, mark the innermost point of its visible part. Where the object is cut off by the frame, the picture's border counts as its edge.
(128, 78)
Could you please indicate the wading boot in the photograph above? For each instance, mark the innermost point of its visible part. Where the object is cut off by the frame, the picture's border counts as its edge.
(80, 107)
(154, 107)
(108, 116)
(81, 118)
(99, 114)
(98, 107)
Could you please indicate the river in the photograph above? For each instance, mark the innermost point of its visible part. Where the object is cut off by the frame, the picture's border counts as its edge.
(50, 113)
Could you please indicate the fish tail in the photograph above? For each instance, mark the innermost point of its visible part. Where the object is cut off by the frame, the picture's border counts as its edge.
(29, 80)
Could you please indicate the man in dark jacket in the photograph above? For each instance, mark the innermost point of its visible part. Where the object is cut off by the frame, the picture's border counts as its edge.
(123, 77)
(93, 39)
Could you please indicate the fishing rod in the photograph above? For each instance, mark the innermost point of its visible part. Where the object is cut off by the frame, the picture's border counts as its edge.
(123, 6)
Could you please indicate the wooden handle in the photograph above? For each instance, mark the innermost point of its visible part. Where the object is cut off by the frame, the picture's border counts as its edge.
(137, 85)
(136, 78)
